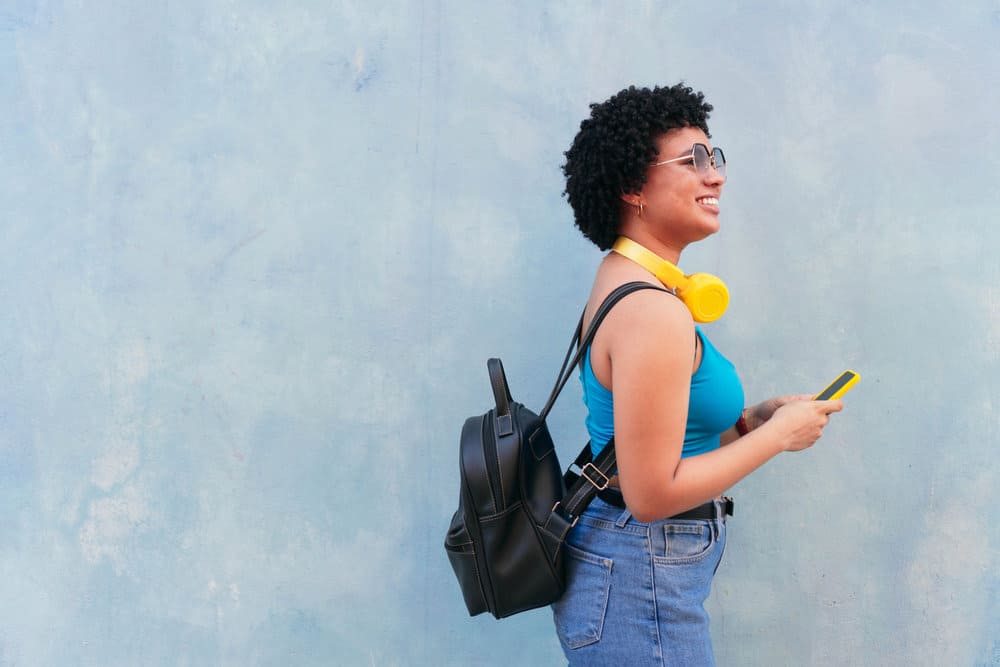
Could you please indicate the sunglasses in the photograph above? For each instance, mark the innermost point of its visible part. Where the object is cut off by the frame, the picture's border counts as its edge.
(702, 159)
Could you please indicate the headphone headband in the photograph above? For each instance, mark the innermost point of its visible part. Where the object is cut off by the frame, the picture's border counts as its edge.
(705, 295)
(665, 271)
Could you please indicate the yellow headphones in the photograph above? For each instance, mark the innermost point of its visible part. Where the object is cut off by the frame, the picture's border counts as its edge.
(705, 295)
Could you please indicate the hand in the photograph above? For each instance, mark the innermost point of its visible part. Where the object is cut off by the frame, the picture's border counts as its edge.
(800, 421)
(756, 415)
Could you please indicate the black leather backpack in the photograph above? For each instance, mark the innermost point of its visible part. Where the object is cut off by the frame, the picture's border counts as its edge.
(516, 505)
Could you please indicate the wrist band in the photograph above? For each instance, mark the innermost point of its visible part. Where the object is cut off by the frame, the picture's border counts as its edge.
(741, 424)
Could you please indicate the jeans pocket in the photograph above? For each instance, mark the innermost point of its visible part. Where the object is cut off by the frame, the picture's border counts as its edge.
(579, 613)
(686, 542)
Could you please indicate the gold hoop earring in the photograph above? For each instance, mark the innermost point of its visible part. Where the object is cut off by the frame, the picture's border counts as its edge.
(642, 209)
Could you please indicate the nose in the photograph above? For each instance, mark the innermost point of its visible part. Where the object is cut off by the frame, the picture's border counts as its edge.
(713, 176)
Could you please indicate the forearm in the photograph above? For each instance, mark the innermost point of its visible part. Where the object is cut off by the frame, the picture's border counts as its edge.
(698, 479)
(729, 436)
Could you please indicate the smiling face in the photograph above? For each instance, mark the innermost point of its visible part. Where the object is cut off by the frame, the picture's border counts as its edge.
(680, 205)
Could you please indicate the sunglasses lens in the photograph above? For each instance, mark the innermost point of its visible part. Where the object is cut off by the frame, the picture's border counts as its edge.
(720, 161)
(702, 161)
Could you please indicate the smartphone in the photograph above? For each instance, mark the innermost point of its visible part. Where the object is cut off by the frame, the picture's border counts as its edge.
(838, 387)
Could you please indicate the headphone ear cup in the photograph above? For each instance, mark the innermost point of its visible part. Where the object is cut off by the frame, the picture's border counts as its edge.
(706, 296)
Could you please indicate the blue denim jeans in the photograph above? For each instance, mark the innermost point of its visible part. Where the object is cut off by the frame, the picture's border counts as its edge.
(636, 591)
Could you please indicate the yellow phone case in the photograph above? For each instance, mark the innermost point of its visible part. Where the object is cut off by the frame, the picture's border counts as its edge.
(838, 387)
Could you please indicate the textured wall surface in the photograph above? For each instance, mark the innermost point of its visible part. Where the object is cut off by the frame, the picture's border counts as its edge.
(256, 253)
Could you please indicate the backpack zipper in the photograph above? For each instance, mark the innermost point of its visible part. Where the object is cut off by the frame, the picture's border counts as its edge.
(492, 462)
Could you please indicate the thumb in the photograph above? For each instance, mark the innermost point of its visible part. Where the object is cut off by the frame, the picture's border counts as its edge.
(828, 407)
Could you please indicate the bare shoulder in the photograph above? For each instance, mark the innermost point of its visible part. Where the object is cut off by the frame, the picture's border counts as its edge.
(649, 318)
(610, 277)
(644, 330)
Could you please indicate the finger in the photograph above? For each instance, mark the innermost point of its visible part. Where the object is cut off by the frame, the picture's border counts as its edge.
(827, 407)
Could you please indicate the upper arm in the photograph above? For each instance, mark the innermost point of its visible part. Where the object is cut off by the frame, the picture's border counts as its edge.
(650, 349)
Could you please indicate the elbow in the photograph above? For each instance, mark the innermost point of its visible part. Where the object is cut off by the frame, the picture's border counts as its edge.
(654, 505)
(651, 501)
(644, 516)
(644, 512)
(651, 494)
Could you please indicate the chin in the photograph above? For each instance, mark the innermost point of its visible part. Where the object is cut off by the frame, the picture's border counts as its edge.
(708, 230)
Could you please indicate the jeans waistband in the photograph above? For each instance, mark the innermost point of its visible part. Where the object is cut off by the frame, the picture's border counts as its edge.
(714, 509)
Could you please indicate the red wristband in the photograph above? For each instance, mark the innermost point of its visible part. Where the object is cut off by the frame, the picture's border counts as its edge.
(741, 425)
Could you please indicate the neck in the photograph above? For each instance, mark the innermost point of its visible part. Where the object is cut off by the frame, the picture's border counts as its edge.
(664, 270)
(640, 232)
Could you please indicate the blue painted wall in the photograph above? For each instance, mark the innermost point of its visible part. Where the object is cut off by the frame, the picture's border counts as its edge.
(255, 255)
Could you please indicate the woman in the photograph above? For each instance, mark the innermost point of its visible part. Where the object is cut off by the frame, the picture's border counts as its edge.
(641, 558)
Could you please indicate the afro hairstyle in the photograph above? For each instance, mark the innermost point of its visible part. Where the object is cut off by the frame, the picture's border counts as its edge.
(614, 147)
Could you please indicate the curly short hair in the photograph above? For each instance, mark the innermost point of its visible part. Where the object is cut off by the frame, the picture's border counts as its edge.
(613, 149)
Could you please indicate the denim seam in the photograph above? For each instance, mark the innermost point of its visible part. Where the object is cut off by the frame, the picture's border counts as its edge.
(721, 555)
(656, 610)
(603, 524)
(588, 556)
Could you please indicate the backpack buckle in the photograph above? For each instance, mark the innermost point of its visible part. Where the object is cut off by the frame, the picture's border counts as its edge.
(599, 484)
(558, 509)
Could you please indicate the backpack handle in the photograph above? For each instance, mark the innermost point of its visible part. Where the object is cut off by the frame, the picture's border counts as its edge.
(501, 396)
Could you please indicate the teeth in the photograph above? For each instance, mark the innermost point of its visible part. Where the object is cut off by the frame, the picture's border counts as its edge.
(709, 200)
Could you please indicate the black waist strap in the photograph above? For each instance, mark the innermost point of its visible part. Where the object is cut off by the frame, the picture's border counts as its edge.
(706, 512)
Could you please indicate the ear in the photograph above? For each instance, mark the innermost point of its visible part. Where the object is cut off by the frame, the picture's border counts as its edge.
(631, 198)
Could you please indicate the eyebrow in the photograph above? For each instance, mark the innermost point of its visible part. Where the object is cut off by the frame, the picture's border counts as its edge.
(689, 152)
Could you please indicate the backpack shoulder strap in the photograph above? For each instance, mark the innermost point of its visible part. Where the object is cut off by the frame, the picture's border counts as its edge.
(581, 344)
(594, 474)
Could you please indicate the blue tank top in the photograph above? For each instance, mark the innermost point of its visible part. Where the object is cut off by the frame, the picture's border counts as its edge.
(715, 402)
